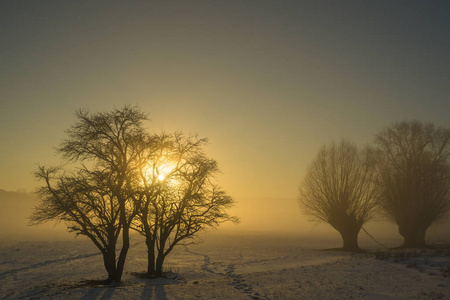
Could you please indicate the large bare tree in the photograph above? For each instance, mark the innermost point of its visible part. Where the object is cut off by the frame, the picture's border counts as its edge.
(339, 190)
(415, 177)
(96, 198)
(179, 198)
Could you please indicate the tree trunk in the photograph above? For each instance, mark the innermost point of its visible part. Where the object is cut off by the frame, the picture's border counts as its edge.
(123, 252)
(160, 258)
(159, 264)
(349, 227)
(109, 260)
(350, 239)
(150, 257)
(412, 237)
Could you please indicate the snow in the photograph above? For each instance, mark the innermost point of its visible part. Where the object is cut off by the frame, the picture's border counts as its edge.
(221, 266)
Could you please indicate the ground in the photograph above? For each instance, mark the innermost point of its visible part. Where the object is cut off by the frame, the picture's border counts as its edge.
(246, 266)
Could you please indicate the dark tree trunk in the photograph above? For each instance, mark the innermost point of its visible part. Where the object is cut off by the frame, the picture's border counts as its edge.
(109, 260)
(159, 264)
(349, 227)
(150, 257)
(161, 256)
(123, 253)
(412, 237)
(350, 239)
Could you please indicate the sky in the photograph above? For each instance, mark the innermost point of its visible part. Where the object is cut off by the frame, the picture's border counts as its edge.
(267, 82)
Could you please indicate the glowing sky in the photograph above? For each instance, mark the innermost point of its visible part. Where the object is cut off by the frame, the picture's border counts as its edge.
(268, 82)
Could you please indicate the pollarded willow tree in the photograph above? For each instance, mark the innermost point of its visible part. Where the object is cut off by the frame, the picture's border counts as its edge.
(96, 199)
(339, 189)
(179, 198)
(414, 177)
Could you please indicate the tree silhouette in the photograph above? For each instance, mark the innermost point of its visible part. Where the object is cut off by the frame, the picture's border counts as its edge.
(179, 198)
(160, 184)
(339, 189)
(95, 199)
(414, 177)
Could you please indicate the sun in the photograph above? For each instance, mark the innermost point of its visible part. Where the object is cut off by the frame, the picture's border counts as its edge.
(160, 172)
(164, 170)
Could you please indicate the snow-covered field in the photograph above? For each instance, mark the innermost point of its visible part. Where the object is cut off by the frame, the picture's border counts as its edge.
(252, 266)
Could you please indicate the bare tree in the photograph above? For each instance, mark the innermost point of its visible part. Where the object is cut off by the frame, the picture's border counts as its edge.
(339, 189)
(179, 198)
(414, 177)
(96, 199)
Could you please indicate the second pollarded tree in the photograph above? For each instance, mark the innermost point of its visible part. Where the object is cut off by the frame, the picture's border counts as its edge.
(414, 164)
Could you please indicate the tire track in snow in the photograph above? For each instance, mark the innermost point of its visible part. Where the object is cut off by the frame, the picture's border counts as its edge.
(49, 262)
(54, 261)
(237, 280)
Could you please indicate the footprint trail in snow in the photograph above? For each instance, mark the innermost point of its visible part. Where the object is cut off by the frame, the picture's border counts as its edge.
(237, 281)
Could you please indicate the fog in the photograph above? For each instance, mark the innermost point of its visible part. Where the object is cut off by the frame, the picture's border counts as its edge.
(277, 216)
(16, 208)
